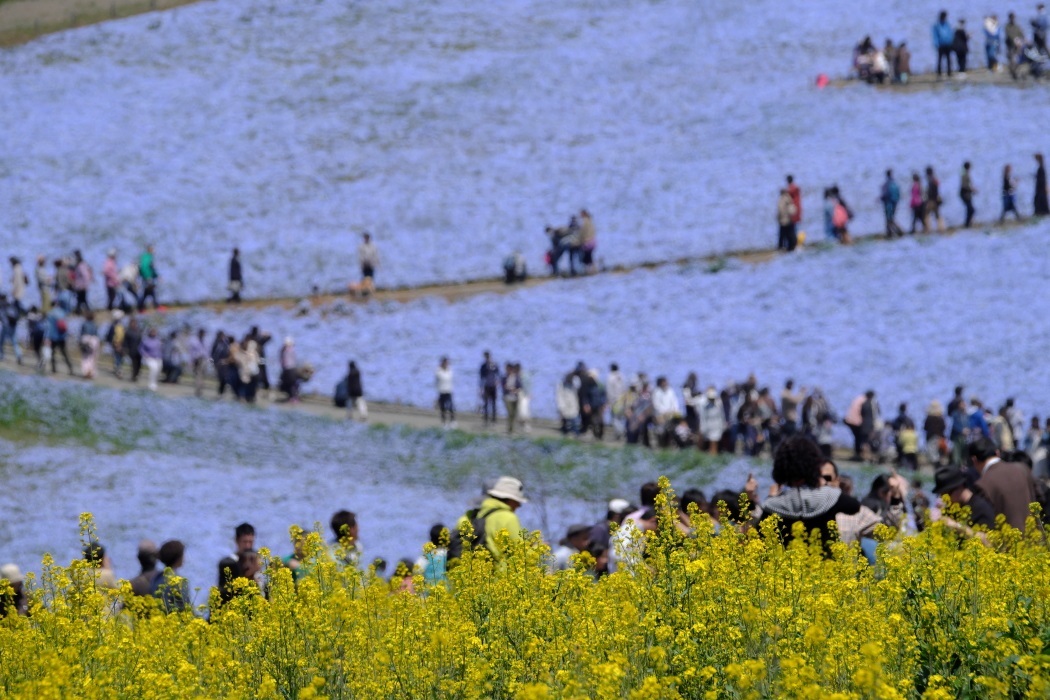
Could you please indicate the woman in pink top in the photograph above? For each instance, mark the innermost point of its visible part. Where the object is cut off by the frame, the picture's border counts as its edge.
(111, 274)
(918, 204)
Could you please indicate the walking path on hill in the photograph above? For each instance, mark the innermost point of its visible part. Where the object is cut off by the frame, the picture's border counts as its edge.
(920, 82)
(455, 291)
(25, 20)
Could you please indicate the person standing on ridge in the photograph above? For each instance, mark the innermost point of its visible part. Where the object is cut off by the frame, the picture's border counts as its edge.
(488, 384)
(890, 197)
(933, 200)
(148, 273)
(1041, 206)
(1009, 194)
(942, 42)
(443, 378)
(236, 283)
(368, 257)
(993, 40)
(796, 199)
(785, 218)
(961, 46)
(966, 193)
(111, 277)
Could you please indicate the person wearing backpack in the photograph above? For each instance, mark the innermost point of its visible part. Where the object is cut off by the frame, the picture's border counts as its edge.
(57, 326)
(496, 514)
(172, 590)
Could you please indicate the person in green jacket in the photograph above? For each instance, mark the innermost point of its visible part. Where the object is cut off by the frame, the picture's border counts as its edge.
(498, 512)
(148, 273)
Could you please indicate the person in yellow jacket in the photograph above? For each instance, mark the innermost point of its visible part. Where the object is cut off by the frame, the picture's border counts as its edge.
(497, 513)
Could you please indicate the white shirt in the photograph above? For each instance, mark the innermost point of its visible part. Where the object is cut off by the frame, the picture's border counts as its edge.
(665, 402)
(443, 379)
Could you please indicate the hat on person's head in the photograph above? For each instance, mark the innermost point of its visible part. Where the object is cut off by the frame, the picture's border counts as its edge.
(148, 547)
(510, 488)
(573, 531)
(620, 506)
(288, 340)
(935, 408)
(112, 252)
(947, 479)
(12, 573)
(712, 393)
(117, 314)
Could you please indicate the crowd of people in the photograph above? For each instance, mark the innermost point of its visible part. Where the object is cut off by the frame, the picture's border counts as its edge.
(893, 62)
(954, 43)
(925, 199)
(807, 488)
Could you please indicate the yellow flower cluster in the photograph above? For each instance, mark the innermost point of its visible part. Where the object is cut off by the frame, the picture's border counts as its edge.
(721, 613)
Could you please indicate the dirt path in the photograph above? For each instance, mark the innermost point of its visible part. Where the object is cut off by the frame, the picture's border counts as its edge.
(23, 20)
(493, 285)
(922, 82)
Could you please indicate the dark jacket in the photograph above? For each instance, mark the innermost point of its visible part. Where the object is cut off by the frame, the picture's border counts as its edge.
(1009, 488)
(353, 384)
(235, 270)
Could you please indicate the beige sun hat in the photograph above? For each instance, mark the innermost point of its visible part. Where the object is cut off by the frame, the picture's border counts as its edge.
(510, 488)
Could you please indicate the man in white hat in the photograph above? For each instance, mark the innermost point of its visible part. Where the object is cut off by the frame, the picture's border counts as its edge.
(497, 512)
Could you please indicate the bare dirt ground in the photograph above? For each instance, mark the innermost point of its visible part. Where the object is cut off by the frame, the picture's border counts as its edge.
(921, 82)
(24, 20)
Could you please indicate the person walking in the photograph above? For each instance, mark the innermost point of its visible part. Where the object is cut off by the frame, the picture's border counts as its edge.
(1014, 43)
(357, 408)
(966, 193)
(198, 356)
(111, 278)
(933, 200)
(9, 315)
(152, 356)
(993, 40)
(57, 327)
(785, 217)
(511, 394)
(961, 46)
(83, 276)
(133, 347)
(796, 199)
(443, 379)
(148, 273)
(488, 384)
(19, 283)
(44, 283)
(1009, 194)
(236, 281)
(1040, 201)
(89, 345)
(942, 42)
(890, 197)
(1040, 25)
(368, 258)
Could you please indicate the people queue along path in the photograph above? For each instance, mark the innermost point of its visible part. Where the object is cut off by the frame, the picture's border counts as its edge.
(924, 197)
(893, 63)
(808, 488)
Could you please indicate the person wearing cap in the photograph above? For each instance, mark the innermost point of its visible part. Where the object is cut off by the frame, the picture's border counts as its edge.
(147, 556)
(111, 277)
(13, 599)
(1010, 487)
(614, 516)
(575, 541)
(497, 511)
(953, 482)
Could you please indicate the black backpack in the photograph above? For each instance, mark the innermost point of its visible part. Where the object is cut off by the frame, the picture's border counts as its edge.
(457, 542)
(342, 394)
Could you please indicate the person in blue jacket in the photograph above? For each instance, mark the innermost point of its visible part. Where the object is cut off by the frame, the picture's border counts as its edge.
(890, 197)
(943, 37)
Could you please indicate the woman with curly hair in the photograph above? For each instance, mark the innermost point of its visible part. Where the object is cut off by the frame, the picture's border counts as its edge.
(800, 494)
